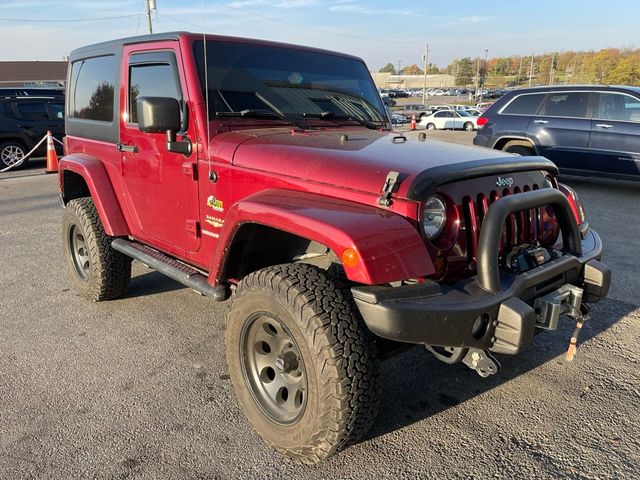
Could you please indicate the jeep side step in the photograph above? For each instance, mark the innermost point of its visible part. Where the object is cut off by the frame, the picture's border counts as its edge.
(172, 268)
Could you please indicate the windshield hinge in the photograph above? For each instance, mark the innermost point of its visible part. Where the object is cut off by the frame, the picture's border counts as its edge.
(190, 169)
(390, 186)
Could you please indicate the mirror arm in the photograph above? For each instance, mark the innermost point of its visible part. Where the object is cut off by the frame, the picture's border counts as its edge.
(183, 146)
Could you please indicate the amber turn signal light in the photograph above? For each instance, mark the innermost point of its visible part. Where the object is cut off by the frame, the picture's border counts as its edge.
(350, 257)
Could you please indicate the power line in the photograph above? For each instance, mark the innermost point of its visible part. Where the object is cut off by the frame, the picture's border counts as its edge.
(30, 20)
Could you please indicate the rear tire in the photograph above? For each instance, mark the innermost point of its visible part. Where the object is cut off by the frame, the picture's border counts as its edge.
(468, 126)
(519, 150)
(98, 271)
(431, 126)
(327, 396)
(11, 153)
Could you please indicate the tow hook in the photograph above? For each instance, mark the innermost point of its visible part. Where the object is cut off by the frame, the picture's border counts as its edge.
(481, 361)
(580, 317)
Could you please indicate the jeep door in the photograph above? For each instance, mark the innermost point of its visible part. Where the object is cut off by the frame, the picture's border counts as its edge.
(562, 129)
(161, 186)
(615, 134)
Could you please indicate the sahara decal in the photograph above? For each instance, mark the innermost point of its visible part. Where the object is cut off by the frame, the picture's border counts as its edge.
(217, 205)
(214, 221)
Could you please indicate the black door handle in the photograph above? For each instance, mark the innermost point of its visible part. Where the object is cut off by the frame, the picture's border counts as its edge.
(121, 147)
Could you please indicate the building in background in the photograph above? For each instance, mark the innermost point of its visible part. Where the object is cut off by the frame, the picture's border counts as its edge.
(33, 74)
(389, 80)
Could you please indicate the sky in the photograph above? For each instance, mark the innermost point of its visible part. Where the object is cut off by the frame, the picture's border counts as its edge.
(378, 31)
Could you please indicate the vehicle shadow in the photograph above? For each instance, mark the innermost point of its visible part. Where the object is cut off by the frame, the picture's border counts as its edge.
(149, 283)
(428, 386)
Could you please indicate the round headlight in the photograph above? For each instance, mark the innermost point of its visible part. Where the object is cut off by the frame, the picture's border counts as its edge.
(434, 217)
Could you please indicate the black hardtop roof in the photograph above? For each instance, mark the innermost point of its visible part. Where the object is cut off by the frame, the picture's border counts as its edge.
(117, 44)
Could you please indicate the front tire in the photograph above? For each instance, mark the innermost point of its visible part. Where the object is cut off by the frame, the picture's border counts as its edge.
(468, 126)
(303, 365)
(520, 150)
(95, 269)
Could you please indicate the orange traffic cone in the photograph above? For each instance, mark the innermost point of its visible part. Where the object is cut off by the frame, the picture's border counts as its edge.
(52, 158)
(413, 121)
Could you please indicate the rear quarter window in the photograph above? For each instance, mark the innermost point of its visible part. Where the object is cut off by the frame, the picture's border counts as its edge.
(527, 104)
(91, 93)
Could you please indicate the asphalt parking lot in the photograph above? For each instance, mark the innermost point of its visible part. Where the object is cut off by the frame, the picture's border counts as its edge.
(138, 387)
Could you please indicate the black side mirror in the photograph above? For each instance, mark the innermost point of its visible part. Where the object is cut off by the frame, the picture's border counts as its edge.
(162, 114)
(158, 114)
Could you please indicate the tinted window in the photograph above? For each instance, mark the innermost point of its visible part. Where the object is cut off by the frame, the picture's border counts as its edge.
(151, 81)
(616, 106)
(567, 104)
(524, 104)
(32, 110)
(56, 110)
(92, 88)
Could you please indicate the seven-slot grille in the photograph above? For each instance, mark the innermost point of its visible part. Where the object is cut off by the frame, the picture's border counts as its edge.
(520, 228)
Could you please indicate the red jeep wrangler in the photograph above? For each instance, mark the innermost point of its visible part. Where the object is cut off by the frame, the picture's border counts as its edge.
(269, 173)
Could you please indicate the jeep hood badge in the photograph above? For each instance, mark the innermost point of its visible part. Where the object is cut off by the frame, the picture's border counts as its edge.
(504, 182)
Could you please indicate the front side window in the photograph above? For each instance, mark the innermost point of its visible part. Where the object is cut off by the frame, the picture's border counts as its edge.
(567, 104)
(56, 110)
(524, 104)
(92, 90)
(151, 81)
(617, 106)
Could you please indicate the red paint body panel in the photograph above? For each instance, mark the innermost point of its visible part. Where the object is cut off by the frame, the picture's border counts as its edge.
(390, 247)
(95, 175)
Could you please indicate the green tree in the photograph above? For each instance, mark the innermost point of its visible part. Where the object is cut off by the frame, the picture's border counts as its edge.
(463, 71)
(388, 68)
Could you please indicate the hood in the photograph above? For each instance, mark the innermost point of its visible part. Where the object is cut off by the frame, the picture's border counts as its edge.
(360, 162)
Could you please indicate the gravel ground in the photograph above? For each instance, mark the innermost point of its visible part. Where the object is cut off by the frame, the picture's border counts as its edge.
(138, 387)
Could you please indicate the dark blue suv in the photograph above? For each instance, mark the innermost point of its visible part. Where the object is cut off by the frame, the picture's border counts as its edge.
(583, 129)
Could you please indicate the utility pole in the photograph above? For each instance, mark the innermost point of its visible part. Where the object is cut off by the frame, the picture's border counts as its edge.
(398, 72)
(531, 70)
(151, 5)
(477, 75)
(424, 83)
(484, 73)
(552, 69)
(519, 71)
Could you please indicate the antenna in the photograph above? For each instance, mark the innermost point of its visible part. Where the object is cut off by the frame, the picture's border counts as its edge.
(211, 174)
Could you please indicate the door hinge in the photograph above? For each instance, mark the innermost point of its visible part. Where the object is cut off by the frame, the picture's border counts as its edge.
(190, 169)
(193, 227)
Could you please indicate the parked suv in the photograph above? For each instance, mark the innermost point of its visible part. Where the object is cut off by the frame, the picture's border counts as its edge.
(583, 129)
(25, 119)
(269, 173)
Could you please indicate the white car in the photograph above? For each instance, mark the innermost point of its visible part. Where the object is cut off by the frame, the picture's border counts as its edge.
(474, 112)
(449, 119)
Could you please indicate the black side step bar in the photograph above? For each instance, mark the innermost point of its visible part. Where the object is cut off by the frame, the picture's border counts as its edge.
(171, 267)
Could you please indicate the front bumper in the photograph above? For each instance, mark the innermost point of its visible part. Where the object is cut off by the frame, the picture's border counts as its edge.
(493, 310)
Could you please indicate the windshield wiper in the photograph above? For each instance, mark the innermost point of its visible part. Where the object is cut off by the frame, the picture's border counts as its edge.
(339, 116)
(251, 113)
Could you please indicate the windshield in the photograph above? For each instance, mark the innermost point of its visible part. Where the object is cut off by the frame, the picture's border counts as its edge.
(288, 83)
